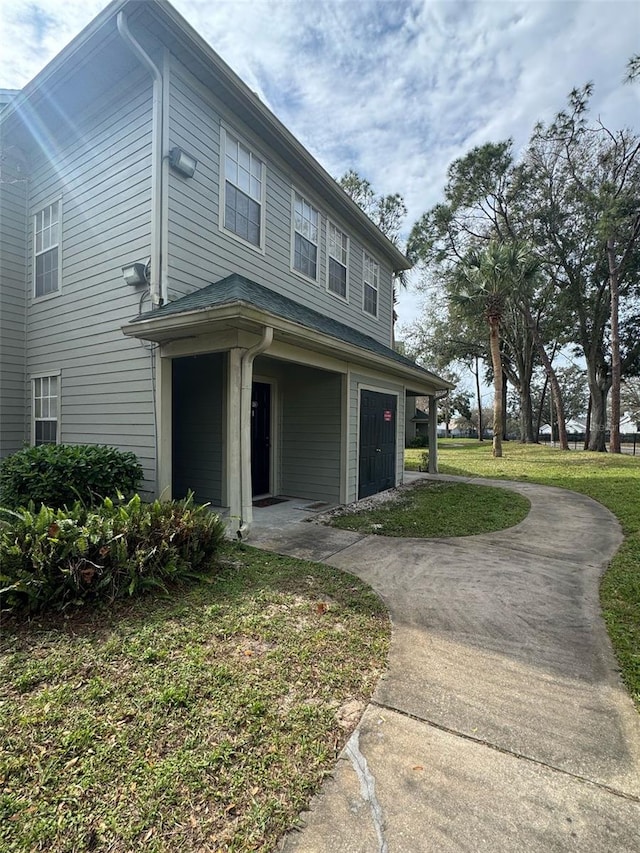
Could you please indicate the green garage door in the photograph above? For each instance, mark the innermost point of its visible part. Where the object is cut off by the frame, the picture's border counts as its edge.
(377, 465)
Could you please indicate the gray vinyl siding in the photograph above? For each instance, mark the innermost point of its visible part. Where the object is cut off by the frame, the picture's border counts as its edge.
(13, 203)
(102, 176)
(201, 252)
(309, 428)
(378, 383)
(197, 427)
(311, 435)
(97, 165)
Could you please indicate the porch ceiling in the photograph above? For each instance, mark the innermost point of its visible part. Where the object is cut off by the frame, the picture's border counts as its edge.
(235, 303)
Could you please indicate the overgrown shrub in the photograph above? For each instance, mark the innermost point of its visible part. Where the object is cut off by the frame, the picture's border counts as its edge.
(53, 558)
(419, 441)
(58, 475)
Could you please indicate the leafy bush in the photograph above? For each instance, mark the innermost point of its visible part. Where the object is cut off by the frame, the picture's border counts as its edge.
(58, 475)
(419, 441)
(51, 558)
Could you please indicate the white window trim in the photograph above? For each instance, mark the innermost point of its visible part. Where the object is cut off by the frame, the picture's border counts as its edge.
(36, 211)
(45, 375)
(365, 255)
(344, 298)
(224, 130)
(294, 269)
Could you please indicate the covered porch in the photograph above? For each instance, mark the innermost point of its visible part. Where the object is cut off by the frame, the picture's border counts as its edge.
(259, 397)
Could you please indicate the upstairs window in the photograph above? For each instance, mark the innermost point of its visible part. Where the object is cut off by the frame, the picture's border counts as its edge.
(371, 281)
(306, 222)
(243, 191)
(46, 232)
(45, 410)
(337, 266)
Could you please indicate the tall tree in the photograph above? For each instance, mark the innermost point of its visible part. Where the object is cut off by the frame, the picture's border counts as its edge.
(445, 335)
(488, 279)
(485, 199)
(388, 212)
(519, 359)
(584, 189)
(574, 197)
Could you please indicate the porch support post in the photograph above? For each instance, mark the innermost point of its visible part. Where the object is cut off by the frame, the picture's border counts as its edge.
(433, 434)
(232, 468)
(246, 368)
(163, 404)
(345, 416)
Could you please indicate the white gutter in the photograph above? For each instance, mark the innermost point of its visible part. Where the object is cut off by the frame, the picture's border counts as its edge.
(246, 374)
(155, 288)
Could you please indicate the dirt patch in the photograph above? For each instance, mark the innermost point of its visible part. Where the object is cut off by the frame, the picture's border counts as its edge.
(389, 496)
(348, 716)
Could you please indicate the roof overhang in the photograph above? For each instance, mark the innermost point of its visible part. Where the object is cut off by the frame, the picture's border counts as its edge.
(239, 315)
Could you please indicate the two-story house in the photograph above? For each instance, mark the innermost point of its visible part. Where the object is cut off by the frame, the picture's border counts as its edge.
(180, 278)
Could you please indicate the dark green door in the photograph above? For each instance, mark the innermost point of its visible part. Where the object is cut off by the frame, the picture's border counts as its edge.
(260, 438)
(377, 465)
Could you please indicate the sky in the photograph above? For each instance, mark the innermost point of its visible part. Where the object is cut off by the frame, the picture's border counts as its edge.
(395, 89)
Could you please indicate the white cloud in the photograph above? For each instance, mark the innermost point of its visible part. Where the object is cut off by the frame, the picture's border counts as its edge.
(396, 89)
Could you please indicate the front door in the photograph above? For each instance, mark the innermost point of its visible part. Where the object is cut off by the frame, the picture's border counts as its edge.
(260, 438)
(377, 468)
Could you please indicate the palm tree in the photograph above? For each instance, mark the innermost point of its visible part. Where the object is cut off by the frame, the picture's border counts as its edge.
(488, 279)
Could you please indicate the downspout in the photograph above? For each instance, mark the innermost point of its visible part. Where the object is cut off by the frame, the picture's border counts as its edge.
(246, 380)
(155, 290)
(164, 183)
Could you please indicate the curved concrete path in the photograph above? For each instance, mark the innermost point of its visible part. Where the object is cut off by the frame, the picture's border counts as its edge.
(501, 723)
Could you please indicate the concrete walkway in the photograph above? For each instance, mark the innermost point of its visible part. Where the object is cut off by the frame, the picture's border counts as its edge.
(501, 723)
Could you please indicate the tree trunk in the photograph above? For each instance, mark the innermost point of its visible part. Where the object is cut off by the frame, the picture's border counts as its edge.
(479, 396)
(544, 389)
(543, 397)
(599, 384)
(597, 438)
(614, 286)
(553, 379)
(557, 397)
(505, 388)
(523, 349)
(587, 427)
(526, 416)
(494, 341)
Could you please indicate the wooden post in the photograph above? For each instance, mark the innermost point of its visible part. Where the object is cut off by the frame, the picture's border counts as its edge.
(433, 434)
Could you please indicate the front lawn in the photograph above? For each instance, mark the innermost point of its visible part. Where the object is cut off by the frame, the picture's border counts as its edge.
(436, 509)
(201, 722)
(613, 480)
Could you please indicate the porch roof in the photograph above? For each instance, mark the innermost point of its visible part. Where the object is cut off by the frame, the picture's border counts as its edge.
(420, 416)
(238, 290)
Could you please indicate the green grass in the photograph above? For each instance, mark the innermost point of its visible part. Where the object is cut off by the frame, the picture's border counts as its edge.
(436, 509)
(200, 722)
(613, 480)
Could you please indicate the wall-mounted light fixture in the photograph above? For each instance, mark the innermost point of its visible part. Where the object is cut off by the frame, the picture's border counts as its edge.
(182, 162)
(135, 273)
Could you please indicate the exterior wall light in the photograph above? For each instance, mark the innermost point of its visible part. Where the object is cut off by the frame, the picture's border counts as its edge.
(135, 273)
(182, 162)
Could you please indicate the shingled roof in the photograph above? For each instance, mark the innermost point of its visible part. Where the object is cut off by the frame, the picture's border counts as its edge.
(238, 289)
